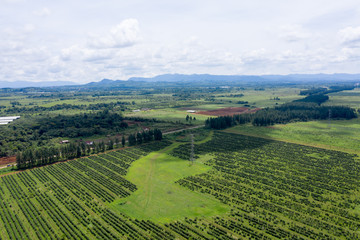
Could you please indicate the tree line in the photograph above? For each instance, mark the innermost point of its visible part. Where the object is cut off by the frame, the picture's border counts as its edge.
(145, 136)
(315, 98)
(322, 90)
(45, 155)
(295, 111)
(65, 106)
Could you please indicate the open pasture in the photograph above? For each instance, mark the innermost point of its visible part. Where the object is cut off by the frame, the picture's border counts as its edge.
(342, 135)
(268, 97)
(345, 98)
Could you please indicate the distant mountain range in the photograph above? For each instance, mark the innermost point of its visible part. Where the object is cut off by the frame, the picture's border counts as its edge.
(195, 79)
(24, 84)
(202, 77)
(247, 78)
(221, 80)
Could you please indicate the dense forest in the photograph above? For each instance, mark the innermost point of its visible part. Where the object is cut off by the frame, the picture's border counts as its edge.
(322, 90)
(37, 131)
(17, 109)
(81, 125)
(315, 98)
(289, 112)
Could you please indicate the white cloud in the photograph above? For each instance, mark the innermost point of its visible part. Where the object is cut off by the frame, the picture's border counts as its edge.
(78, 53)
(28, 28)
(125, 34)
(70, 53)
(293, 33)
(255, 55)
(348, 55)
(11, 1)
(42, 12)
(350, 36)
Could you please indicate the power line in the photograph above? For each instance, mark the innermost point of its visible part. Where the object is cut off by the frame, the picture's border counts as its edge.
(192, 149)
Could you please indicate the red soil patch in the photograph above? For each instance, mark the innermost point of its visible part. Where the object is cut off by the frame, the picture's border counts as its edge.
(131, 123)
(7, 160)
(228, 111)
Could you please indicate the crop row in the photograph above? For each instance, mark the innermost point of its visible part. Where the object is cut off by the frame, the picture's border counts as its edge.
(275, 190)
(311, 188)
(69, 201)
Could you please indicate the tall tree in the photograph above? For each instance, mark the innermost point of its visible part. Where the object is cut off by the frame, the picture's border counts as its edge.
(132, 139)
(123, 141)
(157, 134)
(111, 144)
(139, 138)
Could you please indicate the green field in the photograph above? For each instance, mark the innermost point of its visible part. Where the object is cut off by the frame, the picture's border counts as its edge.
(169, 114)
(337, 134)
(345, 98)
(264, 98)
(158, 197)
(6, 170)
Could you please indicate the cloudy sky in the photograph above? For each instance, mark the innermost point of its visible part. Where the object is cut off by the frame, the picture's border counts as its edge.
(84, 41)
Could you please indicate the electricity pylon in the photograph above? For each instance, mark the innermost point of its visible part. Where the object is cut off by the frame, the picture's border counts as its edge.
(192, 149)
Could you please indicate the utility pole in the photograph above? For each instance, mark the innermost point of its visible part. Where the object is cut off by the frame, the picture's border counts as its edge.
(329, 125)
(192, 149)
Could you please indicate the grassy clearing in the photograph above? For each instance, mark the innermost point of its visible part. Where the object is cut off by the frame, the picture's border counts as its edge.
(200, 135)
(205, 107)
(158, 197)
(264, 98)
(341, 135)
(6, 170)
(169, 114)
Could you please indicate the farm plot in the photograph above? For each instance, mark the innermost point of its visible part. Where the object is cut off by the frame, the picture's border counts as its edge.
(273, 190)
